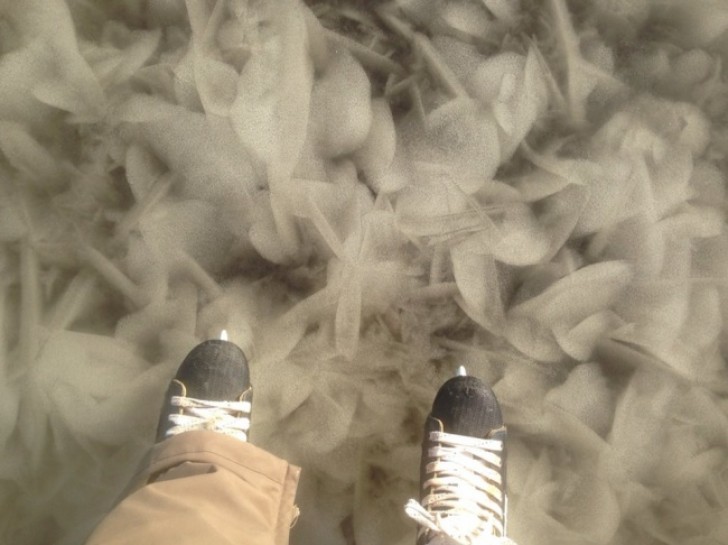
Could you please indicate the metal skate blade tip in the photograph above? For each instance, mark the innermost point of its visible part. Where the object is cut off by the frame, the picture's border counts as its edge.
(462, 372)
(224, 335)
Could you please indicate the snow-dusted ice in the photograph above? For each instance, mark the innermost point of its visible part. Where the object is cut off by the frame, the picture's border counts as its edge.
(362, 196)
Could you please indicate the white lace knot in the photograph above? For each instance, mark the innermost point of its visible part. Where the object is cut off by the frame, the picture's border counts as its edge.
(227, 417)
(465, 502)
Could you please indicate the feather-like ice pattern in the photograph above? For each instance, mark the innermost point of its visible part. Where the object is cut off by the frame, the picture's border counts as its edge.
(477, 280)
(121, 54)
(143, 169)
(707, 184)
(539, 184)
(287, 330)
(546, 208)
(191, 227)
(140, 108)
(217, 84)
(533, 338)
(521, 241)
(699, 26)
(467, 19)
(75, 91)
(80, 373)
(12, 224)
(376, 153)
(610, 196)
(270, 114)
(292, 392)
(317, 195)
(580, 340)
(20, 69)
(213, 164)
(271, 110)
(216, 81)
(341, 107)
(26, 154)
(705, 321)
(591, 509)
(262, 232)
(640, 421)
(672, 339)
(495, 73)
(637, 240)
(9, 402)
(659, 309)
(670, 179)
(572, 298)
(64, 80)
(579, 82)
(514, 87)
(348, 313)
(572, 170)
(586, 395)
(691, 222)
(458, 144)
(503, 9)
(436, 209)
(559, 216)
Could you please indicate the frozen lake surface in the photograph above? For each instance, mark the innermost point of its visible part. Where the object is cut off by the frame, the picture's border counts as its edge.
(367, 195)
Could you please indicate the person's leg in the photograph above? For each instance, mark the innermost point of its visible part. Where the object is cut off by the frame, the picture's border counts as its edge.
(203, 487)
(205, 484)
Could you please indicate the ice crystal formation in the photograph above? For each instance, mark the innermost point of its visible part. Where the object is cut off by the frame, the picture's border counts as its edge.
(367, 195)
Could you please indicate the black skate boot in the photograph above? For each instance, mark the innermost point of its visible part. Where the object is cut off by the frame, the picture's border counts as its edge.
(211, 391)
(462, 472)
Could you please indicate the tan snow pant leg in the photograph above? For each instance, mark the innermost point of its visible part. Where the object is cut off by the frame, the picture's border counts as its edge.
(205, 488)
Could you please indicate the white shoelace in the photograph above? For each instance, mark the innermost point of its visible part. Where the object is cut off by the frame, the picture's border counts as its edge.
(202, 414)
(465, 492)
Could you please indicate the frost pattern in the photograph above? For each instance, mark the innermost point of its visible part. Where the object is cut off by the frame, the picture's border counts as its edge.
(366, 198)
